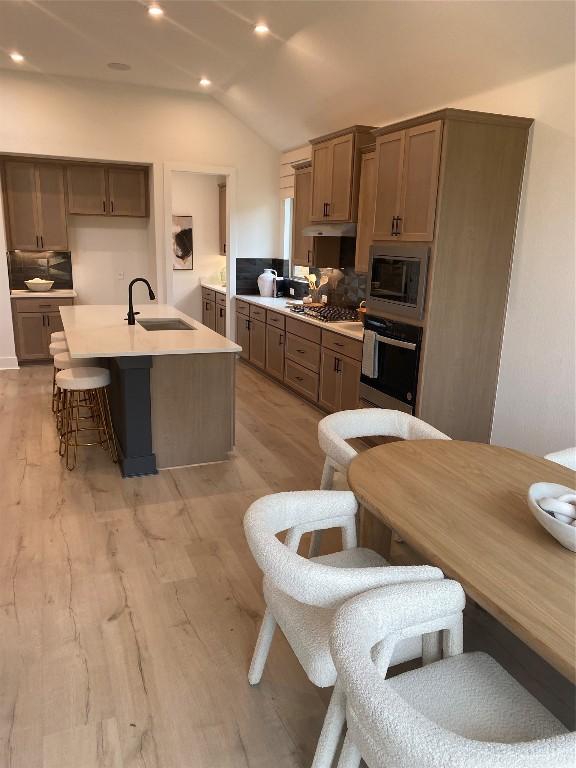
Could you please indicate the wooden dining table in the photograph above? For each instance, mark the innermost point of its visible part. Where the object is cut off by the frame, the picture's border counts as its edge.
(463, 507)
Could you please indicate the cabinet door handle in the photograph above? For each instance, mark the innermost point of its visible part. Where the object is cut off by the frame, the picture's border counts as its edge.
(338, 344)
(280, 340)
(301, 351)
(45, 306)
(42, 240)
(398, 227)
(48, 320)
(393, 228)
(37, 243)
(298, 378)
(103, 206)
(328, 209)
(247, 324)
(43, 320)
(111, 206)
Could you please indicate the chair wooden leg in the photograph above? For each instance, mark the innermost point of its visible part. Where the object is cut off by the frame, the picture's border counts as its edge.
(262, 648)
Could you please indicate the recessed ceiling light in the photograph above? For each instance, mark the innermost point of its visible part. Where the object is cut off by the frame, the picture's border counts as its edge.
(118, 65)
(261, 28)
(155, 11)
(17, 57)
(204, 82)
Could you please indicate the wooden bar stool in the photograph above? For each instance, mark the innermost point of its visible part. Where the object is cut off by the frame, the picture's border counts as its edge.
(84, 390)
(62, 361)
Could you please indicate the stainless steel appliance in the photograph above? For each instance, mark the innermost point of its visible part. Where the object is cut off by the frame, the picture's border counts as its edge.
(327, 314)
(391, 355)
(397, 279)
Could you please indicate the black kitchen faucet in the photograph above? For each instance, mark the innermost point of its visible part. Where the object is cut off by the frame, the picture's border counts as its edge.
(131, 314)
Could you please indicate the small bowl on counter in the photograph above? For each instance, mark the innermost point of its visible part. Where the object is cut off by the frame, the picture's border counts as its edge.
(563, 532)
(38, 284)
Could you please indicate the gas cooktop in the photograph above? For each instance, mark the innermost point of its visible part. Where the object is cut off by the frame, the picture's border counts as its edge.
(327, 314)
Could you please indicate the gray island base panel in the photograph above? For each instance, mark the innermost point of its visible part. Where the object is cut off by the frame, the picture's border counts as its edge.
(172, 410)
(130, 407)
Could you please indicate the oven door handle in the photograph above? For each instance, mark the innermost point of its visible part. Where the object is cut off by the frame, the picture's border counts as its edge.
(396, 342)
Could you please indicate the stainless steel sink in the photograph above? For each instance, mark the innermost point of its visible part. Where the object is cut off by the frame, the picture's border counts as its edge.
(165, 324)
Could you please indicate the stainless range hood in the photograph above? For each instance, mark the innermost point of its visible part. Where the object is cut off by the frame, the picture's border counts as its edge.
(330, 230)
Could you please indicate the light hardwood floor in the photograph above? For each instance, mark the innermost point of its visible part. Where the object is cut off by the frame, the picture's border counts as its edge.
(129, 608)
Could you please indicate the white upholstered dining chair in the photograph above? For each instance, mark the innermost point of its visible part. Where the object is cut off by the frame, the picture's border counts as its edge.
(567, 457)
(335, 429)
(464, 711)
(302, 595)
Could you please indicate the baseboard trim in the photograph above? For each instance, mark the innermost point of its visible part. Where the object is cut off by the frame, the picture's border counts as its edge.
(8, 363)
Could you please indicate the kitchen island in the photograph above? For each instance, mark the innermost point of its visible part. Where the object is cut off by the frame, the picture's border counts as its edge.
(172, 391)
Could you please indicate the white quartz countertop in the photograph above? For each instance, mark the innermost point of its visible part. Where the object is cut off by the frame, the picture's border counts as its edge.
(54, 293)
(102, 331)
(213, 286)
(354, 330)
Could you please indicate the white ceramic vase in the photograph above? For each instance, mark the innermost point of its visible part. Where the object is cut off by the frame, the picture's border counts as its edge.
(266, 282)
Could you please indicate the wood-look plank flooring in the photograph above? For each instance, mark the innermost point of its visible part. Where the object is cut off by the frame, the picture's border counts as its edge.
(129, 608)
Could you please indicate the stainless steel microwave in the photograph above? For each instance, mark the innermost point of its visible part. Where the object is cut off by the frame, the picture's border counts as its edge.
(397, 279)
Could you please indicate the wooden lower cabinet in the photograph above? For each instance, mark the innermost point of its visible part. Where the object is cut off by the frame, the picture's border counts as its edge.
(321, 365)
(34, 321)
(258, 343)
(243, 335)
(220, 326)
(339, 381)
(209, 314)
(30, 336)
(275, 351)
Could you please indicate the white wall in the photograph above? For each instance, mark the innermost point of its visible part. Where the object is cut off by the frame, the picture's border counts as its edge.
(196, 195)
(106, 254)
(536, 401)
(83, 119)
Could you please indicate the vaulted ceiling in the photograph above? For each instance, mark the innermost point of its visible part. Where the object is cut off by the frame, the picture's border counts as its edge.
(325, 64)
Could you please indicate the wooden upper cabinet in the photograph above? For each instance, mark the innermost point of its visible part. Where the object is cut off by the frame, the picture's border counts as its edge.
(366, 203)
(336, 173)
(100, 190)
(36, 206)
(21, 205)
(320, 180)
(302, 245)
(407, 168)
(87, 193)
(420, 182)
(127, 191)
(222, 218)
(52, 207)
(341, 178)
(389, 159)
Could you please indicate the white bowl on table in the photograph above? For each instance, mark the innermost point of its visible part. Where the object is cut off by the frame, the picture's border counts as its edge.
(562, 532)
(38, 284)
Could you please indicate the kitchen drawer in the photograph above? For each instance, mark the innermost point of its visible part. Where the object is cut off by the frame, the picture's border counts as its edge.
(303, 381)
(208, 294)
(277, 319)
(220, 299)
(303, 352)
(258, 313)
(343, 344)
(303, 329)
(242, 307)
(40, 305)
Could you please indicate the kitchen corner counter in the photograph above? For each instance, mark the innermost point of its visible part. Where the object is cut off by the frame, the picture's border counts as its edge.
(353, 330)
(213, 286)
(53, 293)
(102, 331)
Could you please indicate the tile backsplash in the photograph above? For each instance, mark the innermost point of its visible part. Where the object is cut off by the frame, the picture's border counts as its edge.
(345, 287)
(248, 271)
(49, 265)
